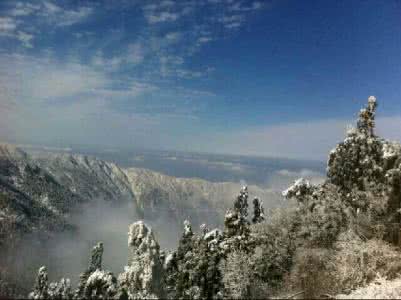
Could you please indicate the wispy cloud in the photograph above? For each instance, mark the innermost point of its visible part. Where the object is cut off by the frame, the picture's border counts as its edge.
(134, 90)
(224, 18)
(205, 39)
(131, 74)
(62, 16)
(9, 29)
(232, 21)
(240, 7)
(77, 97)
(161, 17)
(24, 19)
(173, 36)
(25, 39)
(43, 79)
(167, 11)
(108, 64)
(303, 140)
(24, 9)
(7, 25)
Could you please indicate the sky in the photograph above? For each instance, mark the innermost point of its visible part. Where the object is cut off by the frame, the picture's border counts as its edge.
(274, 78)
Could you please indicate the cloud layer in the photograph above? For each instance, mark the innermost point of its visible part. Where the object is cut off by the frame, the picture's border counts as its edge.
(305, 140)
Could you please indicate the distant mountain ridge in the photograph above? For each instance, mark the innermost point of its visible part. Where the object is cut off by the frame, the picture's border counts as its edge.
(57, 183)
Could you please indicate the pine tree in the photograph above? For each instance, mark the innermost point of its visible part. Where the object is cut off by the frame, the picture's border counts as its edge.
(41, 286)
(143, 278)
(258, 211)
(94, 264)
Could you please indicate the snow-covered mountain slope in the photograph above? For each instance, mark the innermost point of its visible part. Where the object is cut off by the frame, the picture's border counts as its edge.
(31, 200)
(51, 186)
(89, 177)
(192, 198)
(154, 195)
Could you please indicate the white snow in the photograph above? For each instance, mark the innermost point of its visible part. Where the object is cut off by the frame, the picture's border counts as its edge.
(389, 151)
(212, 234)
(301, 182)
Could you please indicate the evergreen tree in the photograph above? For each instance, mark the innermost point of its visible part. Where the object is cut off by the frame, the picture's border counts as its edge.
(258, 211)
(41, 286)
(94, 264)
(144, 276)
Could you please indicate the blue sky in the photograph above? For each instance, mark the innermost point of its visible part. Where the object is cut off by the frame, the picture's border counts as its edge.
(273, 78)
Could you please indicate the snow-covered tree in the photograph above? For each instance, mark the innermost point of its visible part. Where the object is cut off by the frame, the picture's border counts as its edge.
(100, 285)
(41, 286)
(143, 278)
(236, 225)
(241, 202)
(367, 170)
(94, 264)
(322, 213)
(54, 290)
(60, 290)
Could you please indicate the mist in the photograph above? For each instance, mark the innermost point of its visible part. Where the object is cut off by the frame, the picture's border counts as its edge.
(67, 254)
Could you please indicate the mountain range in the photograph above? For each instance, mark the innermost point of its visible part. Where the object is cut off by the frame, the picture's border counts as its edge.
(44, 194)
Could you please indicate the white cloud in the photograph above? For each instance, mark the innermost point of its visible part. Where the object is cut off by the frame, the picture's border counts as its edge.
(64, 81)
(7, 25)
(232, 21)
(232, 25)
(164, 16)
(303, 140)
(106, 64)
(44, 99)
(25, 39)
(205, 39)
(171, 59)
(167, 11)
(43, 79)
(173, 36)
(51, 8)
(302, 173)
(136, 89)
(9, 28)
(70, 17)
(64, 17)
(239, 7)
(24, 9)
